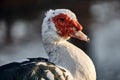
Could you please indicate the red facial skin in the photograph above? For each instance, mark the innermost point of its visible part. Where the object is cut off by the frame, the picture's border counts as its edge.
(65, 25)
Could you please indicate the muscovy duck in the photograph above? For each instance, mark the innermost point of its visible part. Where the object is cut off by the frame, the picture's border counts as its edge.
(70, 62)
(58, 26)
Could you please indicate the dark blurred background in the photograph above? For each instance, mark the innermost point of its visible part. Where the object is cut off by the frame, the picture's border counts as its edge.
(20, 27)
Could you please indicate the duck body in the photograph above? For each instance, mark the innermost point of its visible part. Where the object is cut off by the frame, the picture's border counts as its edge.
(74, 59)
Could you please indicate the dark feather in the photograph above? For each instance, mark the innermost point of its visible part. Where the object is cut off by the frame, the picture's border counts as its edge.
(34, 69)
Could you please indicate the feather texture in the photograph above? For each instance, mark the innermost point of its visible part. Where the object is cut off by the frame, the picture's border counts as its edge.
(34, 69)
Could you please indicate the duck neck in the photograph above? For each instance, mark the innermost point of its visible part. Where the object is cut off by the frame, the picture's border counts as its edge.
(50, 41)
(55, 54)
(49, 46)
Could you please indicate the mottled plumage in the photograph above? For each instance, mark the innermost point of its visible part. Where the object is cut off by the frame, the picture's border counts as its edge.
(34, 69)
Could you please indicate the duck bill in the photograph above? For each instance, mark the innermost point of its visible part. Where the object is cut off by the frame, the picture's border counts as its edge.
(80, 35)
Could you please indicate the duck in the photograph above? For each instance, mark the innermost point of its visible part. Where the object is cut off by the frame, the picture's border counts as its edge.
(65, 60)
(58, 26)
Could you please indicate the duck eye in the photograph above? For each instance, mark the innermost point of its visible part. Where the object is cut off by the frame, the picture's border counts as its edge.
(62, 19)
